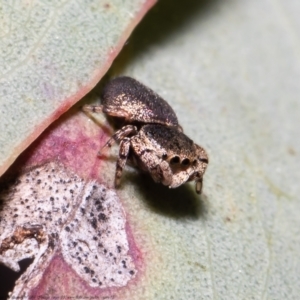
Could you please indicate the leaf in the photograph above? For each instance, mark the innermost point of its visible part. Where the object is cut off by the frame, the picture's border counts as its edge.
(229, 69)
(51, 56)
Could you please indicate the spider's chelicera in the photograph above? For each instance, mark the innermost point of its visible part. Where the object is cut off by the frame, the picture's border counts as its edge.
(151, 136)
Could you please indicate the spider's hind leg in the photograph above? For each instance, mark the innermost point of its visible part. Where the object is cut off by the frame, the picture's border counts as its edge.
(121, 162)
(92, 108)
(119, 136)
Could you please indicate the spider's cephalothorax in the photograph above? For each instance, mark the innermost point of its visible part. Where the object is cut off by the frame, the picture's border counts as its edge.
(151, 135)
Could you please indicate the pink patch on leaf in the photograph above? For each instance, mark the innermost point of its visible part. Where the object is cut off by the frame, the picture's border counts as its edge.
(69, 147)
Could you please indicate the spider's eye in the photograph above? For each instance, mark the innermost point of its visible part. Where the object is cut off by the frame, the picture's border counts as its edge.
(195, 162)
(204, 160)
(175, 160)
(185, 162)
(164, 156)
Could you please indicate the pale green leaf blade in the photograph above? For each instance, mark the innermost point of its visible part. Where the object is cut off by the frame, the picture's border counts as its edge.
(231, 71)
(51, 55)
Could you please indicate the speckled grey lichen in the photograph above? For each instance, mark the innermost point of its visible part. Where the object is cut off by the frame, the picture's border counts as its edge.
(94, 241)
(48, 208)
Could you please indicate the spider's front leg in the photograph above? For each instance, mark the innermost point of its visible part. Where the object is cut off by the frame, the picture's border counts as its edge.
(119, 135)
(121, 162)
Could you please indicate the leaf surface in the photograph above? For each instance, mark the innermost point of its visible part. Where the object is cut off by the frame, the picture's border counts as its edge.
(51, 56)
(230, 70)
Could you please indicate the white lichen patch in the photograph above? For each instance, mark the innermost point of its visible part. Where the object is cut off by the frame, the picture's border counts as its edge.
(48, 209)
(94, 241)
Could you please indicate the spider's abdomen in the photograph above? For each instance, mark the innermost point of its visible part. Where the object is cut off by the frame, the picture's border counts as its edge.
(127, 98)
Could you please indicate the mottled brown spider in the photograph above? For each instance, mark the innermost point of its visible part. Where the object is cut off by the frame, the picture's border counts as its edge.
(151, 136)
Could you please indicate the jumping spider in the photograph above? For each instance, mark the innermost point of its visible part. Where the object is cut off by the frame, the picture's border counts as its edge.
(151, 136)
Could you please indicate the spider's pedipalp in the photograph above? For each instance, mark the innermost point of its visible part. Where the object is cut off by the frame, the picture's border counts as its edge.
(199, 185)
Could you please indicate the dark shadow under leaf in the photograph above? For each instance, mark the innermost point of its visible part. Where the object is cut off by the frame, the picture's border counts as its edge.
(9, 277)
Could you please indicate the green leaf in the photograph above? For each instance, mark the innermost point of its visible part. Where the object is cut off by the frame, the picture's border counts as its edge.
(51, 56)
(230, 70)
